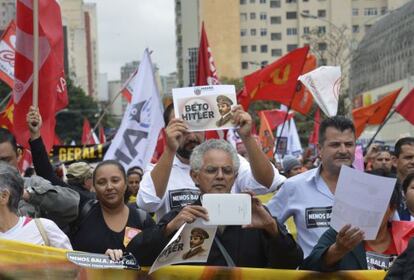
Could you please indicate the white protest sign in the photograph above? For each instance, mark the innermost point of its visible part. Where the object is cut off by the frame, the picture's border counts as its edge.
(205, 107)
(190, 244)
(361, 200)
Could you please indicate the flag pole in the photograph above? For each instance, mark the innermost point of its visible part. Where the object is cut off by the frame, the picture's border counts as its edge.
(379, 128)
(35, 53)
(283, 127)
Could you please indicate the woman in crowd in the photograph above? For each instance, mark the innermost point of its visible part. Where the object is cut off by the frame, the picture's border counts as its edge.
(12, 227)
(109, 222)
(407, 214)
(134, 177)
(347, 249)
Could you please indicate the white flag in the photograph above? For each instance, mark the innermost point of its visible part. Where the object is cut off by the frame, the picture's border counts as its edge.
(324, 84)
(135, 141)
(289, 142)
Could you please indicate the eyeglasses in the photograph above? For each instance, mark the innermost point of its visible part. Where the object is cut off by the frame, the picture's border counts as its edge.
(214, 170)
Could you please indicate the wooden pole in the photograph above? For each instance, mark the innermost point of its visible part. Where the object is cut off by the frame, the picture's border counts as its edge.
(35, 53)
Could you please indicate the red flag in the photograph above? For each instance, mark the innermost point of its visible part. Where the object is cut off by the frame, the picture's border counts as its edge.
(276, 117)
(374, 113)
(303, 100)
(6, 117)
(314, 137)
(7, 54)
(102, 137)
(266, 135)
(206, 74)
(87, 137)
(405, 107)
(206, 70)
(52, 85)
(278, 80)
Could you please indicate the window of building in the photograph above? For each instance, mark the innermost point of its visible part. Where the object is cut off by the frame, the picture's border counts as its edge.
(262, 1)
(291, 31)
(370, 11)
(321, 29)
(384, 10)
(305, 12)
(276, 52)
(263, 48)
(245, 65)
(276, 36)
(243, 16)
(322, 46)
(242, 2)
(252, 32)
(252, 15)
(367, 27)
(252, 1)
(263, 31)
(291, 15)
(305, 0)
(291, 47)
(263, 16)
(306, 30)
(253, 48)
(244, 49)
(275, 4)
(290, 1)
(354, 11)
(275, 20)
(192, 65)
(355, 28)
(321, 13)
(263, 63)
(243, 32)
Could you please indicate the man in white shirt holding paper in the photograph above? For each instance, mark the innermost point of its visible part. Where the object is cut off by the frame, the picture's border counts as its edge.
(168, 184)
(309, 196)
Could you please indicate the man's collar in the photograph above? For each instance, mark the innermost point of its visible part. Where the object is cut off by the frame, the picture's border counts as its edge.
(177, 162)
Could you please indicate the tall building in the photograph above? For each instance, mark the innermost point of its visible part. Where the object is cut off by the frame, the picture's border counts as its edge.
(168, 83)
(7, 13)
(384, 62)
(245, 35)
(80, 22)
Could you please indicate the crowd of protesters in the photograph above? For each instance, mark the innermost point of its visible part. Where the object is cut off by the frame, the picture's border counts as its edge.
(106, 209)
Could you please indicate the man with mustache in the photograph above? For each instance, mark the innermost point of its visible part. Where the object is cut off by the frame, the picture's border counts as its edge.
(308, 197)
(168, 185)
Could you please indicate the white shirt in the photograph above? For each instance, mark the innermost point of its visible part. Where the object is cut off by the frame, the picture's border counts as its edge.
(26, 231)
(307, 199)
(182, 191)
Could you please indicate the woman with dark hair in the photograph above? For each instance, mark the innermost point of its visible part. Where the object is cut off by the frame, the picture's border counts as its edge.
(347, 249)
(407, 214)
(109, 222)
(134, 177)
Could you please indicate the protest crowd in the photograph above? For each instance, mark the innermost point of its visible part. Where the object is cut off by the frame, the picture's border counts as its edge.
(147, 197)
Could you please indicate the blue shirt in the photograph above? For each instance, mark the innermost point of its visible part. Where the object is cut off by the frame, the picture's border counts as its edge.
(307, 199)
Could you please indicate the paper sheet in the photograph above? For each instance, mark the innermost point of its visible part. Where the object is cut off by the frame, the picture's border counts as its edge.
(361, 200)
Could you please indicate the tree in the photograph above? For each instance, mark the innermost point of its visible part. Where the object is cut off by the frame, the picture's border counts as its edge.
(69, 121)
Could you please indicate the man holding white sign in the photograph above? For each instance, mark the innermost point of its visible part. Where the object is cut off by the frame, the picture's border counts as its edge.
(262, 243)
(168, 184)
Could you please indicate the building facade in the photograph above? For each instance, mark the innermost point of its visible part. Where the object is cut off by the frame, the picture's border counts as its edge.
(384, 62)
(245, 35)
(7, 13)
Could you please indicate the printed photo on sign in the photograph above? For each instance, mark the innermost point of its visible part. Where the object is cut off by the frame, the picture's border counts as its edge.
(182, 197)
(205, 107)
(190, 244)
(318, 217)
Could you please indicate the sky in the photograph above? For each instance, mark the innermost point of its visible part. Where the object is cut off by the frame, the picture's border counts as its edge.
(127, 27)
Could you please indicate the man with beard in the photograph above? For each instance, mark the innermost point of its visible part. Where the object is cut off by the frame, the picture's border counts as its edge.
(168, 184)
(224, 106)
(309, 196)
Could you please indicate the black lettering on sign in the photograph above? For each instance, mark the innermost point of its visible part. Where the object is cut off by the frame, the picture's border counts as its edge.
(182, 197)
(131, 139)
(377, 261)
(318, 217)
